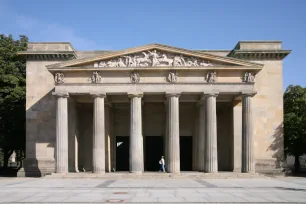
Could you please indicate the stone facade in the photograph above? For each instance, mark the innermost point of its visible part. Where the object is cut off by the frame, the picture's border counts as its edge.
(204, 111)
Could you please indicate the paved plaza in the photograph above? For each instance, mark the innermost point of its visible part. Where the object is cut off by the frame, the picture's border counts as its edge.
(43, 190)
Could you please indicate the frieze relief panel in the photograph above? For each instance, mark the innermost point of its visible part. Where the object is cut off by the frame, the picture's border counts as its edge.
(154, 58)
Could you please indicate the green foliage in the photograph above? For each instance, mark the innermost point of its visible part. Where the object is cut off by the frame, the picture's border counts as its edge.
(12, 95)
(295, 121)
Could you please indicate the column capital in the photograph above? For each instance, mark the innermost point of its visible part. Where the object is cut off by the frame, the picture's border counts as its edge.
(60, 94)
(173, 94)
(98, 94)
(250, 94)
(209, 94)
(135, 94)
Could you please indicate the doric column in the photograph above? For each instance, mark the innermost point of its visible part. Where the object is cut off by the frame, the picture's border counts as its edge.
(136, 140)
(98, 157)
(211, 156)
(61, 133)
(201, 137)
(173, 133)
(108, 163)
(166, 137)
(248, 165)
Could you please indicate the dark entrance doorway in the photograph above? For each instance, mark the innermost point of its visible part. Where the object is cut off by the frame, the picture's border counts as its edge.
(153, 152)
(186, 153)
(122, 153)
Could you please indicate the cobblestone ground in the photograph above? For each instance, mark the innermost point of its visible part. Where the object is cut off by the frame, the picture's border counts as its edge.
(264, 190)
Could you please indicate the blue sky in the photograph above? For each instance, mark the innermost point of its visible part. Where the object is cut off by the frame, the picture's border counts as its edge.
(193, 24)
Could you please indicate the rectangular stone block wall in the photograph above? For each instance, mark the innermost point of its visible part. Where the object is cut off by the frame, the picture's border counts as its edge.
(268, 116)
(40, 119)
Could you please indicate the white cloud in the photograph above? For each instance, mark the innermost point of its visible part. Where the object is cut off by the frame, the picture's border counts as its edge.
(39, 30)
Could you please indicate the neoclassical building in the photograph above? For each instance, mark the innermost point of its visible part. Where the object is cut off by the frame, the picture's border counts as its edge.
(106, 111)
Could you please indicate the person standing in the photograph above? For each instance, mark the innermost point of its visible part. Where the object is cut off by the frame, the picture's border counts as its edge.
(162, 164)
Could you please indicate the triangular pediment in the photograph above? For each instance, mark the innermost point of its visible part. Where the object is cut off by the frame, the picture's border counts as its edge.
(155, 55)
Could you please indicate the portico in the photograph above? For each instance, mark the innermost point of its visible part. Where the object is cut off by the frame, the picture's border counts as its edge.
(123, 110)
(207, 149)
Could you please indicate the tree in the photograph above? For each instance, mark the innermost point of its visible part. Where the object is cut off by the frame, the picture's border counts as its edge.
(295, 122)
(12, 95)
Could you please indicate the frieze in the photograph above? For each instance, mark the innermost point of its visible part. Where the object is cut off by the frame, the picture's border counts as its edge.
(154, 58)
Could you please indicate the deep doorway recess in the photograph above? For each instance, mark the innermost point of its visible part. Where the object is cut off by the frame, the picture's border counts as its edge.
(186, 153)
(154, 149)
(122, 153)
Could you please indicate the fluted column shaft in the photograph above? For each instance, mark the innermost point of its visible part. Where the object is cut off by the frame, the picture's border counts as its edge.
(248, 165)
(201, 138)
(166, 138)
(136, 139)
(173, 133)
(211, 156)
(98, 157)
(62, 133)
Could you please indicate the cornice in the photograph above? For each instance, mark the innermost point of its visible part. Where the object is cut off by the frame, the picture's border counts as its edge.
(259, 54)
(48, 55)
(148, 69)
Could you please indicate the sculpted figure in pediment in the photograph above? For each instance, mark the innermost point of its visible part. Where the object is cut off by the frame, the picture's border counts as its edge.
(205, 64)
(121, 63)
(143, 61)
(164, 59)
(155, 57)
(179, 61)
(102, 64)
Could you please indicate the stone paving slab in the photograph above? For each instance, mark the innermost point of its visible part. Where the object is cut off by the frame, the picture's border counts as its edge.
(153, 191)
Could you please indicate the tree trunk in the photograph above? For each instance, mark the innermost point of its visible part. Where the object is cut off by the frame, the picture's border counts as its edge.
(297, 163)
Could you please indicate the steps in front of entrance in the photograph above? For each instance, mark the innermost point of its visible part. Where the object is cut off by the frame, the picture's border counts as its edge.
(154, 175)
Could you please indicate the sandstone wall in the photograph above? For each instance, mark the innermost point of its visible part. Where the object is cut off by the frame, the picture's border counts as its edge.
(268, 115)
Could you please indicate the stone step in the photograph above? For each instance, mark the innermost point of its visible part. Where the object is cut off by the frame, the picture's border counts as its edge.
(116, 176)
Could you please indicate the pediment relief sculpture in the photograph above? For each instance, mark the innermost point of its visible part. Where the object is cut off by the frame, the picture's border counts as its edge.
(154, 58)
(58, 78)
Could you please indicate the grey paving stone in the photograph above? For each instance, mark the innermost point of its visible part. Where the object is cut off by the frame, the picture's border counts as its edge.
(55, 199)
(142, 199)
(225, 199)
(255, 199)
(33, 199)
(174, 199)
(195, 199)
